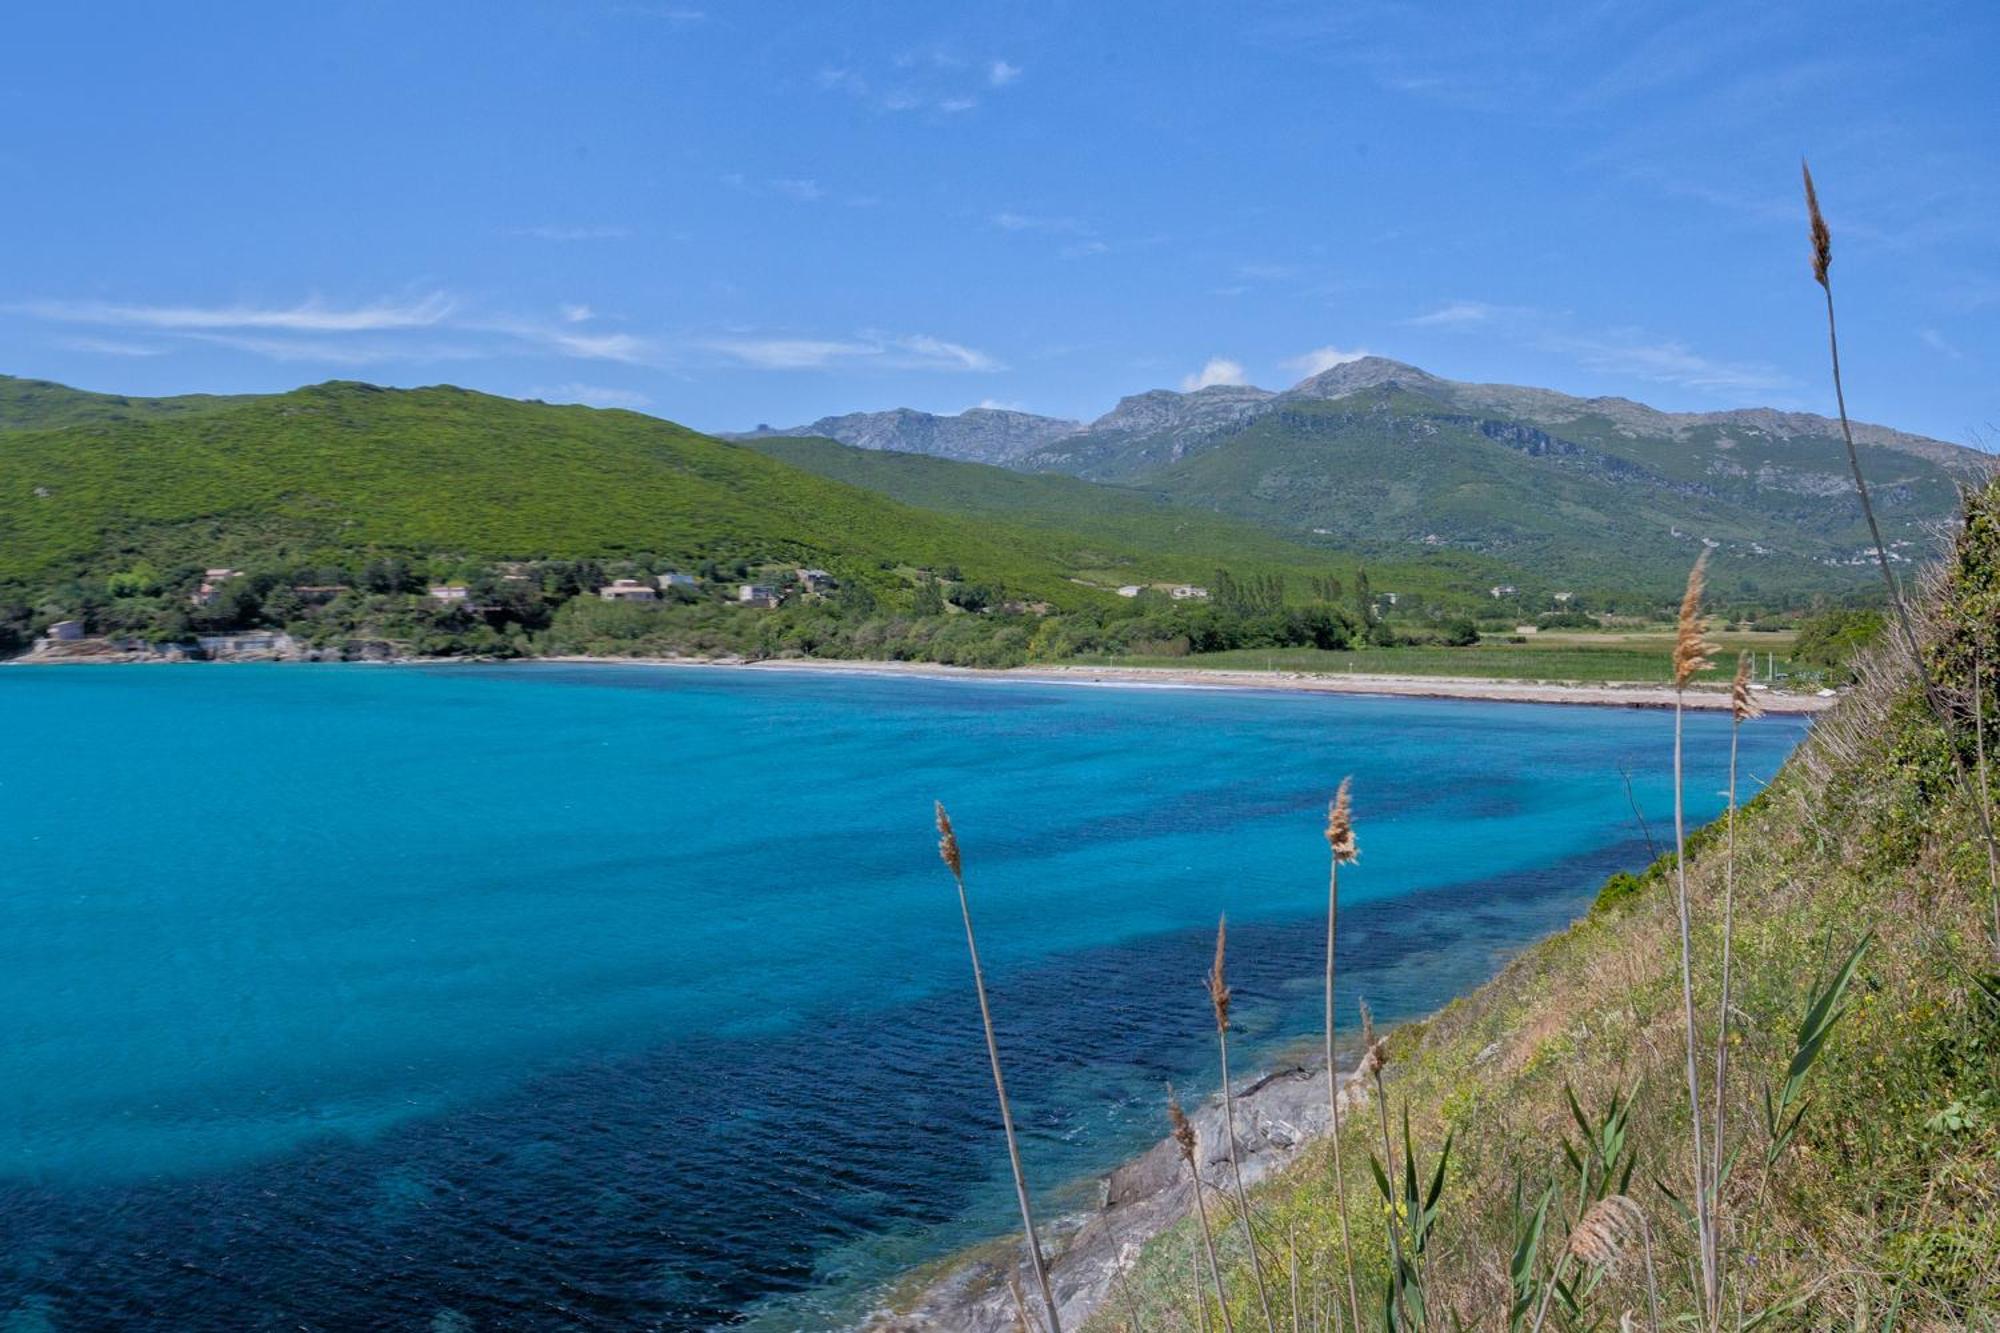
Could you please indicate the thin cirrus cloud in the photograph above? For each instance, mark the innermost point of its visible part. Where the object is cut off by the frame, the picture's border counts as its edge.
(437, 327)
(933, 80)
(1455, 314)
(432, 327)
(1627, 352)
(307, 317)
(905, 352)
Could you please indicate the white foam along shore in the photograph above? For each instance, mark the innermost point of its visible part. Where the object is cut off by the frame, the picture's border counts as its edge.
(1603, 695)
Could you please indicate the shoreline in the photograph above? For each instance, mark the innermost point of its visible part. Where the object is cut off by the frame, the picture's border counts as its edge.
(1596, 694)
(1612, 694)
(1280, 1112)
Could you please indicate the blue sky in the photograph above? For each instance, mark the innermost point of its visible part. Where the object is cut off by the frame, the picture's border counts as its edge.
(728, 213)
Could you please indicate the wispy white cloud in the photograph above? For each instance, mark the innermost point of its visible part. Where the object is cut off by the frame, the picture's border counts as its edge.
(931, 79)
(1085, 249)
(804, 190)
(330, 351)
(112, 347)
(1322, 359)
(309, 317)
(901, 352)
(1010, 221)
(590, 395)
(1667, 361)
(996, 405)
(1216, 370)
(1455, 314)
(313, 331)
(555, 232)
(1937, 342)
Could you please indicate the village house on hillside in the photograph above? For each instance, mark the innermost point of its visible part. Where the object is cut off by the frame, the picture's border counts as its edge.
(675, 579)
(757, 596)
(65, 631)
(211, 585)
(817, 580)
(1188, 592)
(628, 590)
(448, 593)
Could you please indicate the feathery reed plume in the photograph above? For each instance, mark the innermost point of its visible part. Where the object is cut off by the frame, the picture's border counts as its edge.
(1608, 1233)
(1692, 652)
(1822, 239)
(948, 852)
(1343, 851)
(1218, 999)
(1743, 706)
(1184, 1139)
(1690, 655)
(1822, 243)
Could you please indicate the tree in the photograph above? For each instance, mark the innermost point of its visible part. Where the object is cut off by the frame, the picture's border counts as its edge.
(929, 601)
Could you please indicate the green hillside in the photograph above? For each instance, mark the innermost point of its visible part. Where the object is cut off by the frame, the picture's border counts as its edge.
(1594, 504)
(1114, 530)
(343, 471)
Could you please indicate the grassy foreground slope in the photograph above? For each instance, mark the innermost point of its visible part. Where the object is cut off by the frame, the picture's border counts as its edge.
(340, 471)
(1885, 1209)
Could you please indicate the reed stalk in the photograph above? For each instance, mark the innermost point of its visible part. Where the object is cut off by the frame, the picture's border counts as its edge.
(1743, 707)
(1184, 1140)
(1342, 850)
(1822, 263)
(949, 853)
(1218, 999)
(1691, 655)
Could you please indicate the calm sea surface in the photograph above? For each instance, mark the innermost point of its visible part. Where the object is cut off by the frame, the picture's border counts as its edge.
(472, 998)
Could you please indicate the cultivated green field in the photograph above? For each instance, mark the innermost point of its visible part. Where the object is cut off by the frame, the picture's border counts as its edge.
(1636, 657)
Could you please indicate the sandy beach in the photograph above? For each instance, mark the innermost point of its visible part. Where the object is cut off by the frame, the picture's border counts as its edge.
(1612, 695)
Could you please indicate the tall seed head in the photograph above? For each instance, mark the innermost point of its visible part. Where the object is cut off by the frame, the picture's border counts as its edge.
(1183, 1131)
(1691, 650)
(1822, 239)
(1218, 989)
(948, 842)
(1608, 1232)
(1340, 825)
(1743, 704)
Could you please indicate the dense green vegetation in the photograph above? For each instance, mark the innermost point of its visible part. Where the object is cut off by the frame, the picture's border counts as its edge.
(334, 508)
(1099, 527)
(1830, 639)
(1607, 510)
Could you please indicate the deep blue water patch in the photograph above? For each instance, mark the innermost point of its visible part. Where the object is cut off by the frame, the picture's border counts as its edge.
(613, 997)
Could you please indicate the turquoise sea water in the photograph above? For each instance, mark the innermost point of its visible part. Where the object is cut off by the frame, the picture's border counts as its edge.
(523, 996)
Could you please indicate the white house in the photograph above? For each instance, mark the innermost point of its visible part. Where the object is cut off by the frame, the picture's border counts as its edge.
(1130, 590)
(66, 631)
(756, 595)
(449, 592)
(627, 590)
(675, 579)
(816, 580)
(1187, 592)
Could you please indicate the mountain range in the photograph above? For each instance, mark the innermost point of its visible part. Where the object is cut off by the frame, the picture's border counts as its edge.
(1374, 453)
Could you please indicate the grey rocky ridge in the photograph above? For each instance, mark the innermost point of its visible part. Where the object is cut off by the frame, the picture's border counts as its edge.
(1375, 452)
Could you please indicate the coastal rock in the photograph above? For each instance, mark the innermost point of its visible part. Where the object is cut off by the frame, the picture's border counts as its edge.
(1277, 1115)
